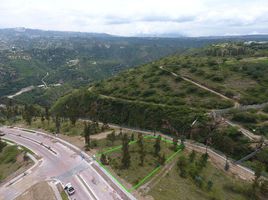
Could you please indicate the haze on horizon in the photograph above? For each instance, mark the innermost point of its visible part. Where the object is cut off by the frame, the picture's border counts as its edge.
(139, 17)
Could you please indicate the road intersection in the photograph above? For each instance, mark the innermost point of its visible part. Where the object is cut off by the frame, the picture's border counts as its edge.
(62, 162)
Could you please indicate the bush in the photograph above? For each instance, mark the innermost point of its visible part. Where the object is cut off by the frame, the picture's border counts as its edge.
(192, 156)
(209, 185)
(244, 117)
(265, 109)
(217, 78)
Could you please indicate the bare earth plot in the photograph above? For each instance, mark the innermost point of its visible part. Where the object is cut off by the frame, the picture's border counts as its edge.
(40, 191)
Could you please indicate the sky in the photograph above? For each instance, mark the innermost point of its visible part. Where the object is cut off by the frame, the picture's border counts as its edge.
(139, 17)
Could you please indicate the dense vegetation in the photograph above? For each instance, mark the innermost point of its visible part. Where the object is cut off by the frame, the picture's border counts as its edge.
(239, 71)
(83, 103)
(255, 120)
(149, 83)
(151, 98)
(75, 58)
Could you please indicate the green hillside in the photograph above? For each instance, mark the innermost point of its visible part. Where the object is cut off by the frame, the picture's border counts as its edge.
(77, 59)
(236, 70)
(219, 67)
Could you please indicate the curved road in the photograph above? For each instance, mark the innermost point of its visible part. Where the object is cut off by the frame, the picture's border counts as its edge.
(62, 162)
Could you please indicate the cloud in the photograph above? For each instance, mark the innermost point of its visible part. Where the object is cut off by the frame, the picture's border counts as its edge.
(131, 17)
(163, 18)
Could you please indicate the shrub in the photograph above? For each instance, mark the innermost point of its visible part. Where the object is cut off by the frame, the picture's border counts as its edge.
(265, 109)
(217, 78)
(244, 117)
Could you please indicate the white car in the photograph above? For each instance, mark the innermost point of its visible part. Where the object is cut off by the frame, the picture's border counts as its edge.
(69, 188)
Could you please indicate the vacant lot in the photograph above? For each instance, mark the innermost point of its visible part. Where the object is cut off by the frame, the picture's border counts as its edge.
(136, 172)
(40, 191)
(173, 186)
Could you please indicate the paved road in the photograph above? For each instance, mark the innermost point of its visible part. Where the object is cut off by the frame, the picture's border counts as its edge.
(63, 163)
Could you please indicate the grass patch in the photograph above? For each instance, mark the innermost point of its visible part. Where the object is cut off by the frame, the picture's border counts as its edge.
(172, 186)
(63, 195)
(9, 162)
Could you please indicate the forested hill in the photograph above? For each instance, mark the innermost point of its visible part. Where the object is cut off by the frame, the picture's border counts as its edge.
(76, 59)
(150, 94)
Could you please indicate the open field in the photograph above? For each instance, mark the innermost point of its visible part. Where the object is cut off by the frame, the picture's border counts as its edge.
(173, 186)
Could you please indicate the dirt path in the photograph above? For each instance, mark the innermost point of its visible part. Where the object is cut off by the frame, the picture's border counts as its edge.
(156, 179)
(101, 135)
(217, 159)
(236, 104)
(244, 131)
(220, 160)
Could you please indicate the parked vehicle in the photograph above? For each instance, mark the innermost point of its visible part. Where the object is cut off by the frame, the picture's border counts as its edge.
(69, 188)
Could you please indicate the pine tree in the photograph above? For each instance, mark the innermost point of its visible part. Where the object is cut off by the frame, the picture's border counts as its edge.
(125, 151)
(111, 137)
(28, 114)
(87, 133)
(42, 119)
(175, 143)
(103, 159)
(57, 124)
(47, 115)
(192, 156)
(157, 145)
(141, 151)
(132, 137)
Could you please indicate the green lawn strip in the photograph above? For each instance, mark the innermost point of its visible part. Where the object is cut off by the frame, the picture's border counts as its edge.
(63, 195)
(8, 161)
(153, 172)
(23, 147)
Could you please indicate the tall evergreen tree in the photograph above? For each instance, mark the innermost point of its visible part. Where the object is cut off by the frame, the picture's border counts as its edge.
(28, 114)
(111, 137)
(125, 151)
(47, 114)
(57, 123)
(141, 151)
(157, 145)
(87, 133)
